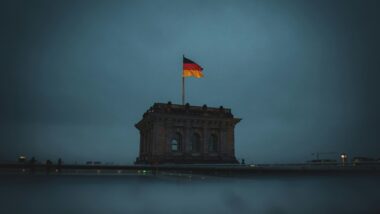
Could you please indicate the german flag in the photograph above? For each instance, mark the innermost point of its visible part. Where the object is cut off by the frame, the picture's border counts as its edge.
(191, 68)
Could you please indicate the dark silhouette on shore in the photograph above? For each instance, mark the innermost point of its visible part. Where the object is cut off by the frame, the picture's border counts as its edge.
(32, 163)
(59, 165)
(48, 166)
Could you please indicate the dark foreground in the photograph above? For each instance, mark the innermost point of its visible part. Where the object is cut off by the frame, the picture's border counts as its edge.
(168, 192)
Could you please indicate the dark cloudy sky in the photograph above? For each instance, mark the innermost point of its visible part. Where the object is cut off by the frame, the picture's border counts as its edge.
(77, 75)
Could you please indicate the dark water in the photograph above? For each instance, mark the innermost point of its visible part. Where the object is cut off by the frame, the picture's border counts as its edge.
(172, 194)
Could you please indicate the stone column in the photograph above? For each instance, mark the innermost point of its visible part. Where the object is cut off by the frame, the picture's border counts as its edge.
(223, 141)
(206, 133)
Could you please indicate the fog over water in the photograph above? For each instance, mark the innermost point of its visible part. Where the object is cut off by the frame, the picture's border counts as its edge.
(198, 194)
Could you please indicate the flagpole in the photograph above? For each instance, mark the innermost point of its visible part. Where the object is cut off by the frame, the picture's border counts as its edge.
(183, 84)
(183, 90)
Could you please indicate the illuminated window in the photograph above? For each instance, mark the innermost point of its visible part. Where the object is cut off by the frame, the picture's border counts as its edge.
(196, 143)
(213, 144)
(175, 143)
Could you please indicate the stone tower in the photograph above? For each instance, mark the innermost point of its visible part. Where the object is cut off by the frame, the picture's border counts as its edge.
(185, 134)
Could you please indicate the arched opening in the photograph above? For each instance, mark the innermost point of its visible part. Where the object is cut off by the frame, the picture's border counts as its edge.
(213, 144)
(196, 143)
(175, 142)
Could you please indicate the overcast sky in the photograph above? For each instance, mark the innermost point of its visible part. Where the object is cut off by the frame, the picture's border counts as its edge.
(77, 75)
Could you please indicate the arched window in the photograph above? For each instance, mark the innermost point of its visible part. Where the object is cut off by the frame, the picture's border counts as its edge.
(196, 143)
(175, 143)
(213, 144)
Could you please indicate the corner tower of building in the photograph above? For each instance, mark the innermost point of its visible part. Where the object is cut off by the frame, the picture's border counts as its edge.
(185, 134)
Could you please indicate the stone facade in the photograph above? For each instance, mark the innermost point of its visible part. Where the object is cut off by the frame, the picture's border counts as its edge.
(171, 133)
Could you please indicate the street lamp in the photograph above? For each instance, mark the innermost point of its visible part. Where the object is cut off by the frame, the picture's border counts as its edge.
(343, 158)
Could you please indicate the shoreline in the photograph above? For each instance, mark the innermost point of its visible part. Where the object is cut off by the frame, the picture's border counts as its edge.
(215, 170)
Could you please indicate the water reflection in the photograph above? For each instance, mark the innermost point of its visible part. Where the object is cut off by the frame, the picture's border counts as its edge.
(181, 193)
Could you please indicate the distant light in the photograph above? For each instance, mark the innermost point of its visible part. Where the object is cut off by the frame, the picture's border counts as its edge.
(22, 158)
